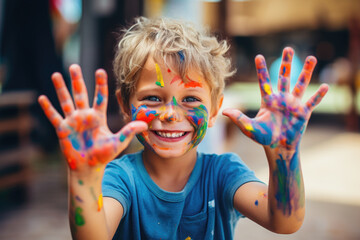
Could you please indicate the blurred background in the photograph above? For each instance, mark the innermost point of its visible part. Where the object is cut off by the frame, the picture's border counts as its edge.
(40, 37)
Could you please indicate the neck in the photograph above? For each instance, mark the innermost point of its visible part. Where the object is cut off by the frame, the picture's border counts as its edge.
(170, 174)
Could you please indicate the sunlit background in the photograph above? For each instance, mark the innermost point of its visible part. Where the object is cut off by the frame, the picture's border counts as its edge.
(40, 37)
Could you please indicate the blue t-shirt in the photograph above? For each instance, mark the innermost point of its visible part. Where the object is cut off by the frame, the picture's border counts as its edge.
(202, 210)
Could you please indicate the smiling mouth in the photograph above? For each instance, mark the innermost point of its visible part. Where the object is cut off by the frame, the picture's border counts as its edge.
(170, 135)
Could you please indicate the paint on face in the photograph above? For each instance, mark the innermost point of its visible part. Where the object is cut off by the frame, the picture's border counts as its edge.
(169, 114)
(188, 84)
(198, 118)
(160, 80)
(79, 219)
(143, 113)
(256, 203)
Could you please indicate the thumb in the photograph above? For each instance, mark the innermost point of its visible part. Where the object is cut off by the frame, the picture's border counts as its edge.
(127, 133)
(240, 119)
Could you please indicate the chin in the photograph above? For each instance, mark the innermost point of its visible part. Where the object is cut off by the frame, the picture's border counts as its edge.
(172, 152)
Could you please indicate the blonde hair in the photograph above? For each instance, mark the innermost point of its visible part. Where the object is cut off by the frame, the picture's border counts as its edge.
(174, 40)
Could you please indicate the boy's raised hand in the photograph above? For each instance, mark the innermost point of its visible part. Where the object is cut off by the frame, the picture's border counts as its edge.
(84, 136)
(282, 117)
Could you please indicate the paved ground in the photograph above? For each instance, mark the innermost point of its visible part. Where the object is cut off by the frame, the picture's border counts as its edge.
(331, 162)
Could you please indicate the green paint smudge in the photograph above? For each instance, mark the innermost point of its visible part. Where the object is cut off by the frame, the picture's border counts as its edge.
(79, 219)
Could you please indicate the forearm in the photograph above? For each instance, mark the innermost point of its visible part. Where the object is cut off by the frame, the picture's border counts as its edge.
(86, 214)
(286, 190)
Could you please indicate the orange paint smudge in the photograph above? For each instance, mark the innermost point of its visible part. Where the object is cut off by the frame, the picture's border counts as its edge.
(57, 83)
(101, 80)
(161, 148)
(55, 121)
(92, 161)
(286, 68)
(67, 108)
(80, 103)
(72, 163)
(188, 84)
(77, 86)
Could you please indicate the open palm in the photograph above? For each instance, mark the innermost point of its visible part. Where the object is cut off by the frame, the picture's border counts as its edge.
(84, 136)
(282, 117)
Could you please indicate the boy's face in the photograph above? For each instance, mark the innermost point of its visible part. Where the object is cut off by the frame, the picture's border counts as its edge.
(178, 112)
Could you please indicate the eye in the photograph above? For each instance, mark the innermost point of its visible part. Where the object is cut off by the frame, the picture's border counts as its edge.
(191, 99)
(151, 99)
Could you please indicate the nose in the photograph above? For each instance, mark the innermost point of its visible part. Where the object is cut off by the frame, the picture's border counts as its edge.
(171, 112)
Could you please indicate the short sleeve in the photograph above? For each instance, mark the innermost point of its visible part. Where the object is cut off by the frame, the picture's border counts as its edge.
(116, 184)
(233, 173)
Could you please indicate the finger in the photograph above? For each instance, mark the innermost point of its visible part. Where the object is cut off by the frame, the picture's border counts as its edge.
(241, 120)
(101, 91)
(126, 134)
(50, 112)
(285, 69)
(79, 89)
(263, 76)
(317, 97)
(63, 94)
(304, 77)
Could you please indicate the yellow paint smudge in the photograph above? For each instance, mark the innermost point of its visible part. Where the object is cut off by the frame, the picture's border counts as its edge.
(100, 202)
(188, 238)
(267, 88)
(160, 81)
(249, 127)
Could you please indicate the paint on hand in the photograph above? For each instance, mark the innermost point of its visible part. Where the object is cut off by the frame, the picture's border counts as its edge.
(99, 99)
(256, 203)
(160, 80)
(79, 219)
(267, 88)
(72, 163)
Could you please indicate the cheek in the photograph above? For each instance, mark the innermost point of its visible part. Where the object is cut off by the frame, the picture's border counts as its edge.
(143, 113)
(198, 117)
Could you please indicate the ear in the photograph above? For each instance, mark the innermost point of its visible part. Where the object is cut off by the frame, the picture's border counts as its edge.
(125, 110)
(214, 112)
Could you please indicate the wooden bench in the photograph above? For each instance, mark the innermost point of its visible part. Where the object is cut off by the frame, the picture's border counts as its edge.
(16, 149)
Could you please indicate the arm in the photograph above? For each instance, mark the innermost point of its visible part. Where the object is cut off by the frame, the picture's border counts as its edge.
(278, 126)
(88, 145)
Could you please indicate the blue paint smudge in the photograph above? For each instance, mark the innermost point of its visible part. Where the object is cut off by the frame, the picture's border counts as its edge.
(74, 142)
(87, 139)
(260, 137)
(182, 57)
(122, 137)
(100, 99)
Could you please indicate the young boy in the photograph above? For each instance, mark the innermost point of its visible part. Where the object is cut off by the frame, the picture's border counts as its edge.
(171, 79)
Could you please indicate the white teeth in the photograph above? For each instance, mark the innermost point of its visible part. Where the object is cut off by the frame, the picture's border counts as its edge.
(170, 135)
